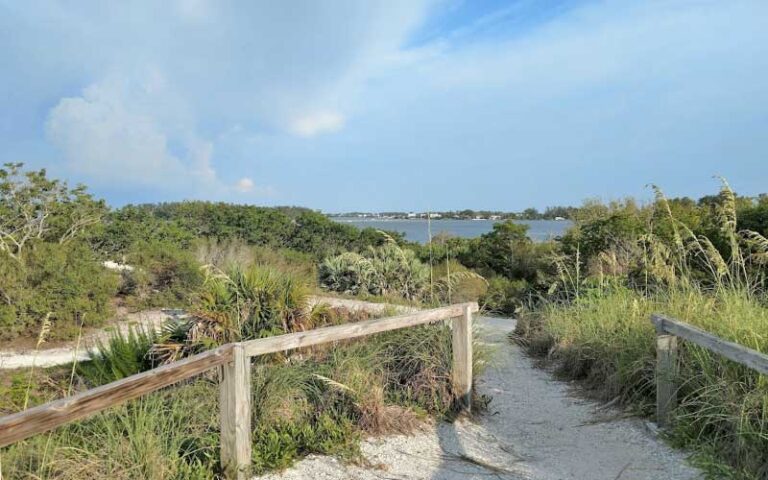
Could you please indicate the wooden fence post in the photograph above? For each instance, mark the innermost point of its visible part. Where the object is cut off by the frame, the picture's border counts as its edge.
(666, 373)
(462, 357)
(235, 406)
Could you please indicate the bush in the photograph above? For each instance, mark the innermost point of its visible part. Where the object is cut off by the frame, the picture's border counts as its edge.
(388, 270)
(63, 280)
(506, 296)
(242, 304)
(163, 275)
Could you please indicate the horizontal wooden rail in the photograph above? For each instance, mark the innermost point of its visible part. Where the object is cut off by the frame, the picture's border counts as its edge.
(234, 361)
(730, 350)
(51, 415)
(348, 331)
(667, 332)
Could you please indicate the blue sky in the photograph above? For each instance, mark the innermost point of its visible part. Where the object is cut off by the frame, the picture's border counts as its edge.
(388, 105)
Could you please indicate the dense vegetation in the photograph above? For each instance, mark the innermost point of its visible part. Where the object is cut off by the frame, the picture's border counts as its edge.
(241, 272)
(53, 240)
(246, 272)
(322, 401)
(696, 261)
(319, 400)
(47, 270)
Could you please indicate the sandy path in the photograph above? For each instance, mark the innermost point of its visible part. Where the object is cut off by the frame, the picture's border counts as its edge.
(71, 351)
(536, 429)
(151, 320)
(63, 354)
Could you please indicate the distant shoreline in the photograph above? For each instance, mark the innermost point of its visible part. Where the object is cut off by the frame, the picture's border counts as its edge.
(418, 229)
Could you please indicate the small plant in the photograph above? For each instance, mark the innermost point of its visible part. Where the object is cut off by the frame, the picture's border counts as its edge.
(121, 356)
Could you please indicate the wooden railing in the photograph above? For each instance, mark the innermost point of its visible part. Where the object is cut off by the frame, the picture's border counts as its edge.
(667, 331)
(235, 385)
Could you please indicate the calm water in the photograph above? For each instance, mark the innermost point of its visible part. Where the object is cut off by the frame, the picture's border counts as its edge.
(416, 230)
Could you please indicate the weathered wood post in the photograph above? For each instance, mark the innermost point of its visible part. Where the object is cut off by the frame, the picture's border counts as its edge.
(462, 357)
(666, 372)
(235, 405)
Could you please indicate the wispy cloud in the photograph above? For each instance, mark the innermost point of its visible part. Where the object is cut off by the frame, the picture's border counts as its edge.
(244, 185)
(317, 123)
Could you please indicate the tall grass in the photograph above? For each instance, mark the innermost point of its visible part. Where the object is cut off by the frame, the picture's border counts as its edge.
(317, 400)
(598, 330)
(606, 340)
(168, 435)
(320, 400)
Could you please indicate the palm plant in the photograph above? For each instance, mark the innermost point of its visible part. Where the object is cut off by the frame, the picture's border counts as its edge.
(240, 304)
(387, 270)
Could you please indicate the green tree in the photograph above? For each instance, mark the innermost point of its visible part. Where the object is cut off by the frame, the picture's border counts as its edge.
(506, 251)
(34, 207)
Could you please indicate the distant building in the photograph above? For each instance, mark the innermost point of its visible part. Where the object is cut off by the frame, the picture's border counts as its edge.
(495, 217)
(435, 215)
(411, 215)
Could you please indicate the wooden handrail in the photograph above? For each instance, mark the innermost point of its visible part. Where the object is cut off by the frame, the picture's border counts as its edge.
(667, 332)
(730, 350)
(234, 360)
(348, 331)
(53, 414)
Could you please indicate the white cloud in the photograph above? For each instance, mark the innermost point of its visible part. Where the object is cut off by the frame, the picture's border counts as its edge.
(160, 110)
(628, 88)
(103, 138)
(194, 10)
(317, 123)
(113, 136)
(244, 185)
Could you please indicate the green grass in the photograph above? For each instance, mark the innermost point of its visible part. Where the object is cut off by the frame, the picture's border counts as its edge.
(321, 400)
(167, 435)
(605, 339)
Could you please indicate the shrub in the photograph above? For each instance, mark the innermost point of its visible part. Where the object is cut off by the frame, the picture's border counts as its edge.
(163, 275)
(241, 304)
(63, 280)
(388, 270)
(506, 296)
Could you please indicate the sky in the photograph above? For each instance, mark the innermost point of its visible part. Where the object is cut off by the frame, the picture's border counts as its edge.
(387, 105)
